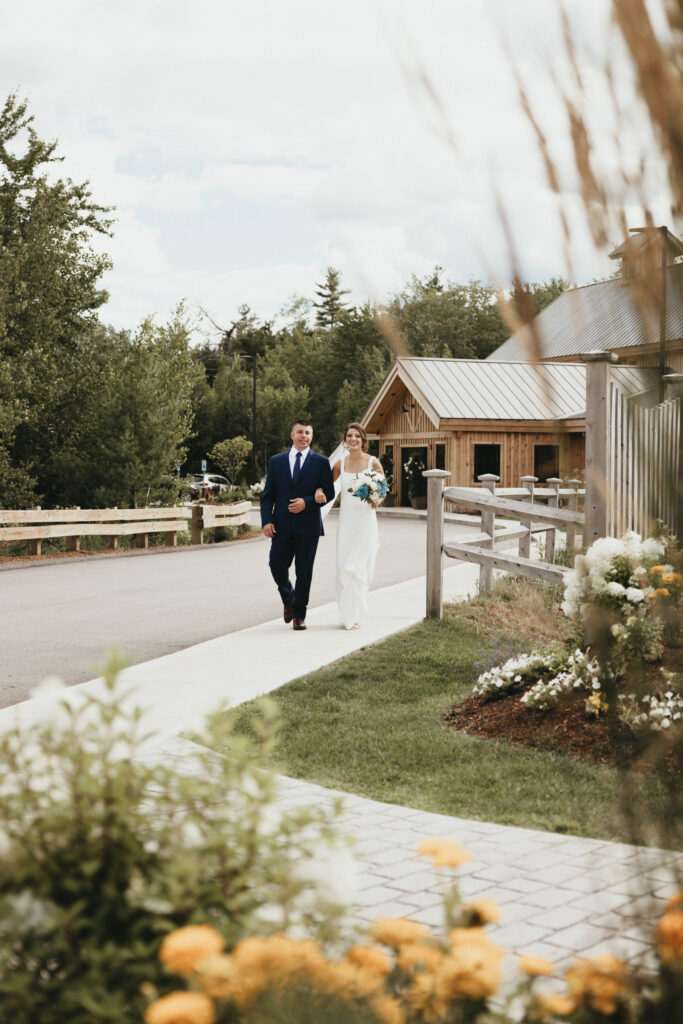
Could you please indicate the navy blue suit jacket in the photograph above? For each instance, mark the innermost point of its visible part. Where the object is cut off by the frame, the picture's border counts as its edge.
(280, 489)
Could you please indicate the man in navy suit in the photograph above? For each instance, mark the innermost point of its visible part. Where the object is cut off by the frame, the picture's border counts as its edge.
(291, 517)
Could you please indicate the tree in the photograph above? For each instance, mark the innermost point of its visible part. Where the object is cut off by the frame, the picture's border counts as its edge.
(49, 297)
(330, 305)
(231, 456)
(145, 415)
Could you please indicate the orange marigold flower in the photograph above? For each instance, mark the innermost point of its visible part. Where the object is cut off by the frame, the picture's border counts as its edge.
(424, 996)
(445, 853)
(598, 982)
(552, 1003)
(182, 948)
(396, 931)
(346, 980)
(181, 1008)
(414, 953)
(370, 958)
(535, 965)
(675, 902)
(671, 578)
(670, 935)
(471, 971)
(659, 592)
(658, 568)
(482, 911)
(218, 976)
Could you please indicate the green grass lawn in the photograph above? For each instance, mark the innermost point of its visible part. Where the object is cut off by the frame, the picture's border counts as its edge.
(372, 724)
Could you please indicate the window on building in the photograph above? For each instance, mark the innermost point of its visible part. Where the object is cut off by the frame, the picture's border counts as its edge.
(373, 447)
(486, 459)
(546, 461)
(440, 456)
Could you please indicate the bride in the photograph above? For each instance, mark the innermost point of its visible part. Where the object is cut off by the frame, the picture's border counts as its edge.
(357, 534)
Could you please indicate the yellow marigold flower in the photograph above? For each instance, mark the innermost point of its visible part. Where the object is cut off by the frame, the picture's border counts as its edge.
(424, 996)
(396, 931)
(535, 965)
(552, 1003)
(347, 981)
(471, 971)
(445, 853)
(468, 936)
(414, 953)
(670, 934)
(482, 911)
(598, 982)
(181, 1008)
(388, 1010)
(370, 958)
(675, 902)
(671, 578)
(182, 948)
(658, 568)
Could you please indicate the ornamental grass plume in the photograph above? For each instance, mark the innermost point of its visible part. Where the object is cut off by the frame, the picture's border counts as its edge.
(181, 1008)
(445, 853)
(182, 949)
(598, 983)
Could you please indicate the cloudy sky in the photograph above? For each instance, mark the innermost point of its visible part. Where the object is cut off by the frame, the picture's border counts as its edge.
(248, 146)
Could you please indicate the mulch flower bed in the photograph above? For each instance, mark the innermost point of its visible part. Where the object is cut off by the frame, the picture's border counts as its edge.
(567, 727)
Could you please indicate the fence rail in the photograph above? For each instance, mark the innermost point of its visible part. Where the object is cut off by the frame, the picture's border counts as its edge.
(481, 549)
(37, 525)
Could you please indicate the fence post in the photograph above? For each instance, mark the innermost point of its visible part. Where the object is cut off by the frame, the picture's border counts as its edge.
(572, 505)
(597, 444)
(197, 524)
(553, 502)
(35, 547)
(488, 525)
(435, 479)
(674, 381)
(525, 541)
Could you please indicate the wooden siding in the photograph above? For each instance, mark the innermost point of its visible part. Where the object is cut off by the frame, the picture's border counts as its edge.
(414, 429)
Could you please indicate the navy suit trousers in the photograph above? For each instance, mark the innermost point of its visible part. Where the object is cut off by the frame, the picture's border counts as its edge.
(286, 548)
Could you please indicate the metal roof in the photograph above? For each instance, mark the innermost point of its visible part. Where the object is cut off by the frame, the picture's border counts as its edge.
(597, 316)
(469, 389)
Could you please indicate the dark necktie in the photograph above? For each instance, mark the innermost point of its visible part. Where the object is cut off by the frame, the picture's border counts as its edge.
(297, 468)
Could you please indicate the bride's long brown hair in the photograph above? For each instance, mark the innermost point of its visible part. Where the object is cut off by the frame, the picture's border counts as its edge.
(361, 431)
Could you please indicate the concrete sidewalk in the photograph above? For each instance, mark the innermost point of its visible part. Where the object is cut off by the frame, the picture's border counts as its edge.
(559, 895)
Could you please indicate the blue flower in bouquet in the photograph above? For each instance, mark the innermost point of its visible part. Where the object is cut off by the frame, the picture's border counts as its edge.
(371, 486)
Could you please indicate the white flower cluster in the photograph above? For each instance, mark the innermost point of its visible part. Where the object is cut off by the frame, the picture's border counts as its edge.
(257, 489)
(659, 713)
(515, 673)
(582, 674)
(593, 574)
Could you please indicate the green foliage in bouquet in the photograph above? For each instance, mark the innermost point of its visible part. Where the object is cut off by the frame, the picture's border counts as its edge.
(103, 854)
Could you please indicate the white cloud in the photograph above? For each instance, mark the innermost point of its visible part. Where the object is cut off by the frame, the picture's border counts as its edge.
(369, 136)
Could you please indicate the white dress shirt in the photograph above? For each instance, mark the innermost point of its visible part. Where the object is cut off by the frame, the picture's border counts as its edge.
(292, 458)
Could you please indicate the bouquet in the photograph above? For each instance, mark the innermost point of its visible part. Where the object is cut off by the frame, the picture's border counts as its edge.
(371, 486)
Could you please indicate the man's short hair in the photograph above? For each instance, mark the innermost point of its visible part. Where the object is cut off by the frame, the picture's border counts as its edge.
(303, 423)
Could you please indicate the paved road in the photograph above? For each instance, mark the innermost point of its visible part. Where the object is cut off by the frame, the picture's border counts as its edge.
(61, 617)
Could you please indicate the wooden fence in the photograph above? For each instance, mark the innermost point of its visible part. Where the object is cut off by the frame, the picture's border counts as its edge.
(517, 504)
(36, 525)
(634, 455)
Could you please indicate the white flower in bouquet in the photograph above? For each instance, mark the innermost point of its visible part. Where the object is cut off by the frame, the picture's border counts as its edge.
(369, 486)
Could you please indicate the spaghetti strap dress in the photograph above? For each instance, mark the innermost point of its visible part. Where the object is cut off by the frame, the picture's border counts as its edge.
(357, 547)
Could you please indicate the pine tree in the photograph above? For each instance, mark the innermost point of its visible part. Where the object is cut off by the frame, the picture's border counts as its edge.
(330, 306)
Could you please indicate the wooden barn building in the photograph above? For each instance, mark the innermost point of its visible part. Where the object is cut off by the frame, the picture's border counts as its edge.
(472, 417)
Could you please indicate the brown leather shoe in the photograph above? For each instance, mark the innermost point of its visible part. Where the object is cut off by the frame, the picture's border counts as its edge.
(288, 612)
(299, 624)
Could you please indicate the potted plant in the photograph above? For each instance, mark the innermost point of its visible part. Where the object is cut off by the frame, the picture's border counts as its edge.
(417, 484)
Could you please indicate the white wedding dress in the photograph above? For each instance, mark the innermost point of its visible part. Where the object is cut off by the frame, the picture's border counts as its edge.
(357, 546)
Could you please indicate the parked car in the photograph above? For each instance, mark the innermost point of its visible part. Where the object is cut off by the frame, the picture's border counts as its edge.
(208, 483)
